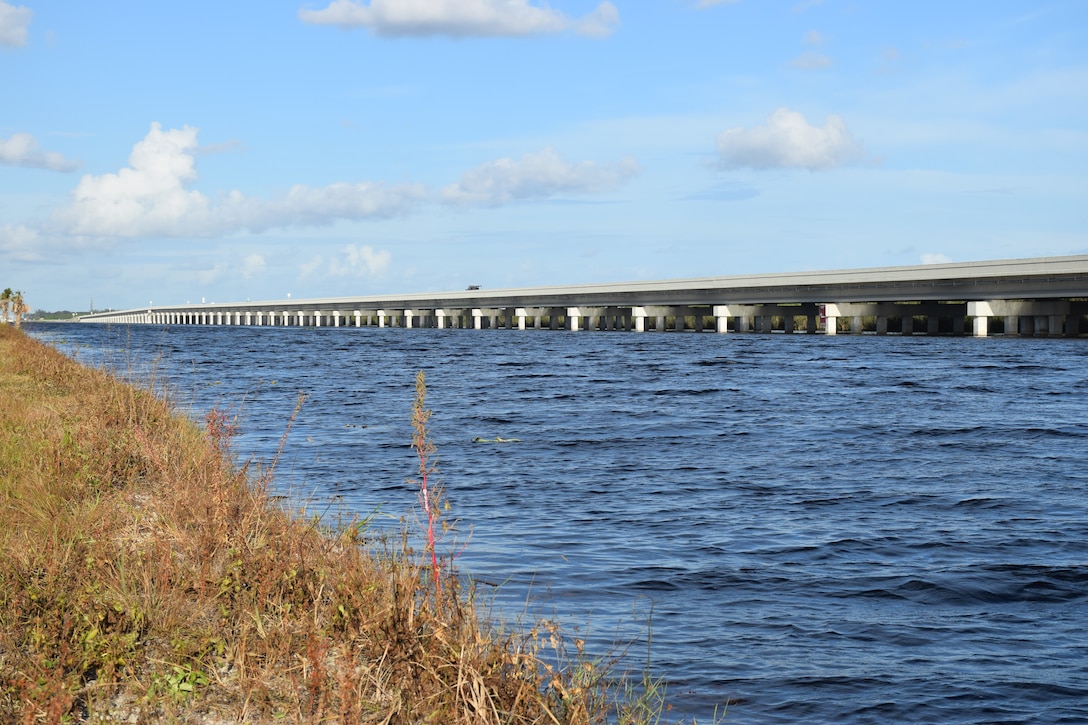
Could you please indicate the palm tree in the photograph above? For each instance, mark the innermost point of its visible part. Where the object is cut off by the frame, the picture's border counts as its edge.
(19, 307)
(5, 303)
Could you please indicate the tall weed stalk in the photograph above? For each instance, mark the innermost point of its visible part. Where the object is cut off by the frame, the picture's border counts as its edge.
(430, 494)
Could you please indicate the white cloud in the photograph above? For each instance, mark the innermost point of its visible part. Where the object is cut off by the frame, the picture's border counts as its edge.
(22, 149)
(210, 276)
(148, 198)
(363, 261)
(711, 3)
(535, 176)
(306, 269)
(460, 18)
(811, 61)
(252, 265)
(935, 258)
(151, 198)
(21, 244)
(788, 141)
(14, 20)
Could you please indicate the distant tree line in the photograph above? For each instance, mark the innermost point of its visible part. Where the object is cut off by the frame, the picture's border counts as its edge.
(12, 306)
(40, 315)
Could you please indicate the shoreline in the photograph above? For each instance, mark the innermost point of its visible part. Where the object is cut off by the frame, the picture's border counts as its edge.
(144, 577)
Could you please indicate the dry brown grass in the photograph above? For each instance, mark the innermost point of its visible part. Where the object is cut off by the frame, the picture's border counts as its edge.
(144, 578)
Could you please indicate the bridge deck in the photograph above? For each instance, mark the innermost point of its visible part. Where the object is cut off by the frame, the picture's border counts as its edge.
(1050, 287)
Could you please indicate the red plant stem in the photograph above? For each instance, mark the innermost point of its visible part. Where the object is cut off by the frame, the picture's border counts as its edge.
(430, 522)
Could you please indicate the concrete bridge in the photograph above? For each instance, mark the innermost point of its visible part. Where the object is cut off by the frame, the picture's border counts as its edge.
(1045, 296)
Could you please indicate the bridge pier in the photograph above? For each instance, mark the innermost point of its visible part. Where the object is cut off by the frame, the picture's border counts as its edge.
(1050, 318)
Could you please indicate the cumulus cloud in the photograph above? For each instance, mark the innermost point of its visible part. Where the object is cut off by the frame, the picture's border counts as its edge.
(151, 198)
(460, 18)
(788, 141)
(22, 149)
(535, 176)
(148, 198)
(360, 261)
(14, 20)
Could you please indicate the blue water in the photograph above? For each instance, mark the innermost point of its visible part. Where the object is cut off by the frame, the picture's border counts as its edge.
(813, 529)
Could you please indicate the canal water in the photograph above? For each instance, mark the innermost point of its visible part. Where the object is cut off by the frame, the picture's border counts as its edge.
(813, 529)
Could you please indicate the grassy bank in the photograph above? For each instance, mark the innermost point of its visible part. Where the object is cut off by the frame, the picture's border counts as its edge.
(144, 578)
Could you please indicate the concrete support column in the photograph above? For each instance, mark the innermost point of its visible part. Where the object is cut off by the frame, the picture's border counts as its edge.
(358, 318)
(381, 318)
(830, 314)
(1012, 325)
(639, 316)
(477, 319)
(721, 318)
(882, 324)
(249, 318)
(933, 324)
(301, 319)
(409, 315)
(336, 318)
(857, 325)
(440, 316)
(574, 316)
(959, 323)
(982, 312)
(659, 323)
(1054, 325)
(788, 323)
(521, 314)
(908, 323)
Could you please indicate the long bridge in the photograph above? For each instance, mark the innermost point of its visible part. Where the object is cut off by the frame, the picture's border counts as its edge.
(1045, 296)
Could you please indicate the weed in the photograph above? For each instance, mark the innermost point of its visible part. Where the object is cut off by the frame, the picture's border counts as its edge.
(143, 575)
(430, 495)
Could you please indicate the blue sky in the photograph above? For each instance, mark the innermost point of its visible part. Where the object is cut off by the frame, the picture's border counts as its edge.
(174, 152)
